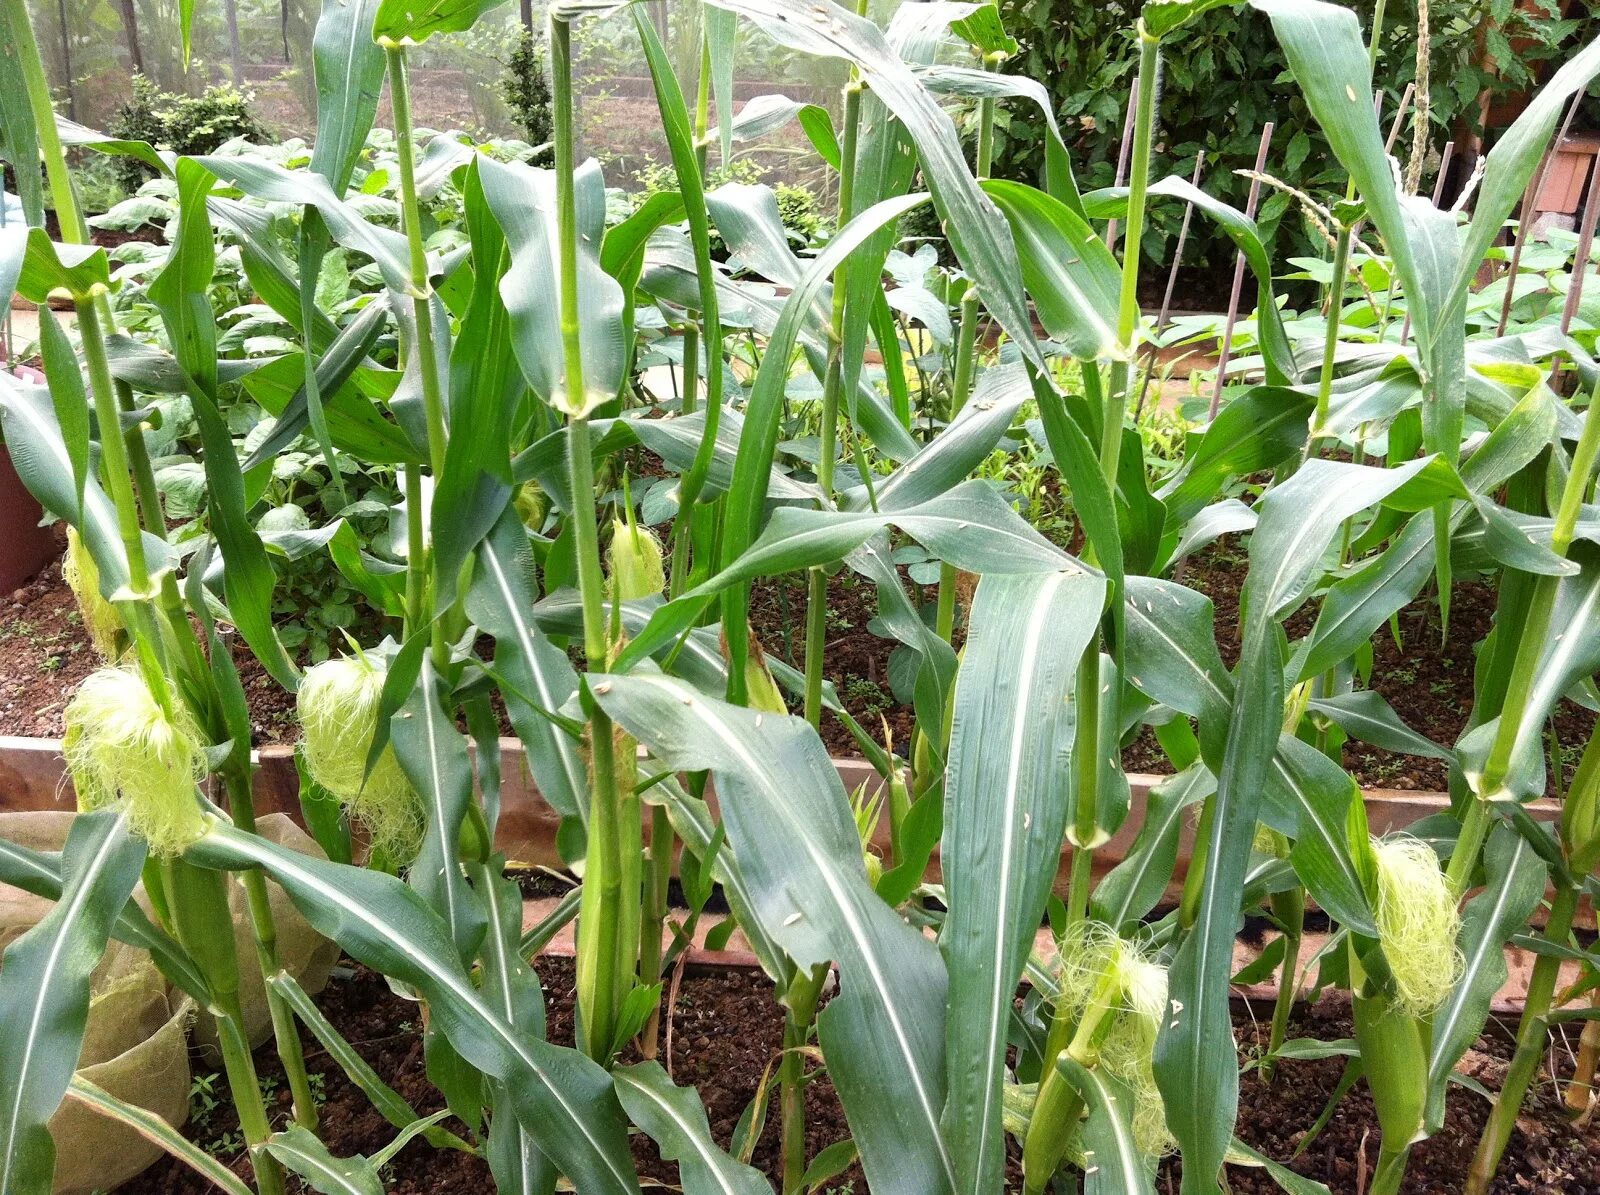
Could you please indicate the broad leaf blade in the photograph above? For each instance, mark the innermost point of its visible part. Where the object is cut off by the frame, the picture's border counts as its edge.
(1006, 809)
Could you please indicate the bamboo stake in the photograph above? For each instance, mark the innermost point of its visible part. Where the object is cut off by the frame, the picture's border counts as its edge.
(1238, 271)
(1122, 160)
(1172, 282)
(1526, 216)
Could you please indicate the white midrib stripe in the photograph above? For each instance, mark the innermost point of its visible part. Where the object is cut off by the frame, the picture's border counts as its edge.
(1199, 672)
(1125, 1146)
(320, 1167)
(999, 989)
(1342, 857)
(84, 889)
(438, 810)
(525, 641)
(880, 984)
(25, 411)
(463, 992)
(688, 1130)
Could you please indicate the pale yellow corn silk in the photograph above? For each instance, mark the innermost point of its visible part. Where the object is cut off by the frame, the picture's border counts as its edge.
(100, 617)
(1417, 923)
(124, 751)
(637, 569)
(338, 709)
(1089, 953)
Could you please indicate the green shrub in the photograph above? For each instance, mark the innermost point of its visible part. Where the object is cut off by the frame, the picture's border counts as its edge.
(527, 88)
(1229, 80)
(185, 124)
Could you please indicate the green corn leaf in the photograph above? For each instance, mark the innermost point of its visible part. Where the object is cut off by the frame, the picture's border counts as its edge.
(1115, 1165)
(13, 251)
(969, 526)
(157, 1131)
(485, 387)
(19, 138)
(348, 66)
(1006, 808)
(1568, 656)
(415, 21)
(764, 115)
(561, 1097)
(952, 455)
(39, 872)
(1240, 1154)
(180, 292)
(1515, 884)
(303, 1152)
(1136, 885)
(353, 422)
(1071, 276)
(692, 822)
(48, 266)
(538, 675)
(1259, 429)
(1278, 353)
(978, 234)
(1196, 1067)
(675, 1120)
(44, 463)
(273, 184)
(433, 755)
(1365, 715)
(788, 821)
(1512, 161)
(523, 199)
(391, 1105)
(902, 618)
(76, 136)
(513, 989)
(44, 992)
(1209, 524)
(67, 394)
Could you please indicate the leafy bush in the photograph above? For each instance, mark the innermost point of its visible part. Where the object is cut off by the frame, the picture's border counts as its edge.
(1230, 80)
(185, 124)
(527, 88)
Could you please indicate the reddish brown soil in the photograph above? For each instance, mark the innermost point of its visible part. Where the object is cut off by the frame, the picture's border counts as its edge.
(1426, 676)
(44, 654)
(726, 1030)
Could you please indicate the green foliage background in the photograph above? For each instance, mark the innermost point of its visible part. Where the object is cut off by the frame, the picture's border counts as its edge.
(1226, 78)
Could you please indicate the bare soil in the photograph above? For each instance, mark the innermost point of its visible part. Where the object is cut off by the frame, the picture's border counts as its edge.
(726, 1030)
(1425, 674)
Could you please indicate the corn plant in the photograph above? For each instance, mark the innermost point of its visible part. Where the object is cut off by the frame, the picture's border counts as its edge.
(498, 374)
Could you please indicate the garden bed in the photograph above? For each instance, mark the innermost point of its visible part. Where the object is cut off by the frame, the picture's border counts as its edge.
(44, 653)
(726, 1028)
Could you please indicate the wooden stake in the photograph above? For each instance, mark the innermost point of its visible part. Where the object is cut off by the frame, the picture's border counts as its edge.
(1526, 217)
(1172, 282)
(1238, 272)
(1122, 160)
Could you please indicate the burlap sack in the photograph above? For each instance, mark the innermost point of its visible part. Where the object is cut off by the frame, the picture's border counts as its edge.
(135, 1042)
(135, 1046)
(304, 953)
